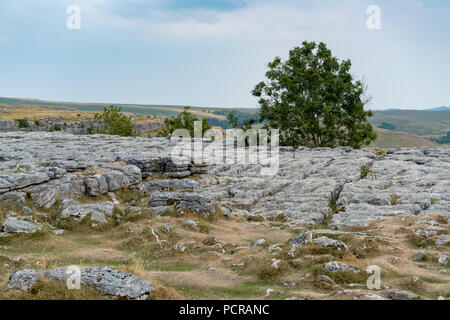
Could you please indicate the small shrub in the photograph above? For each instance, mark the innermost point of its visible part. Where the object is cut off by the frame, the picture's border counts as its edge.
(365, 170)
(184, 120)
(115, 122)
(267, 272)
(394, 199)
(23, 123)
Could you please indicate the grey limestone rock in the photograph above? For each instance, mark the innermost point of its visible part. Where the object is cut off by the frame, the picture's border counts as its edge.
(108, 281)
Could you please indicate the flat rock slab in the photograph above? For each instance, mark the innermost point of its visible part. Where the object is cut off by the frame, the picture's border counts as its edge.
(196, 202)
(14, 225)
(106, 280)
(309, 187)
(78, 212)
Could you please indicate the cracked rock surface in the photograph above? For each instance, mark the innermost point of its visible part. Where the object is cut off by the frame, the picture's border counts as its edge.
(312, 186)
(108, 281)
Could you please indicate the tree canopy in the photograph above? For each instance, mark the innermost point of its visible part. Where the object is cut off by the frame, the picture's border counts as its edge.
(185, 120)
(314, 100)
(115, 122)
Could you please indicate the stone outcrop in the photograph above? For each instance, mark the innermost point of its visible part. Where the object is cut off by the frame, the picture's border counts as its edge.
(62, 124)
(311, 186)
(13, 225)
(192, 201)
(108, 281)
(77, 212)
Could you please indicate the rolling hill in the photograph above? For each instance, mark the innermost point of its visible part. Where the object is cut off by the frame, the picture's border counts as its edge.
(443, 108)
(407, 128)
(419, 122)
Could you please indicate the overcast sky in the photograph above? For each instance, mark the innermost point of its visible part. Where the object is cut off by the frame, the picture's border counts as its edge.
(212, 53)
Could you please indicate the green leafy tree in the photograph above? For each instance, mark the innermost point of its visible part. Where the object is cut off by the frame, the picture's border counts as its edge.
(115, 122)
(184, 120)
(314, 100)
(235, 123)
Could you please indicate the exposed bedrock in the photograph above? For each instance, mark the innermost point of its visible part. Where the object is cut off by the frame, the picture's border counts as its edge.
(342, 187)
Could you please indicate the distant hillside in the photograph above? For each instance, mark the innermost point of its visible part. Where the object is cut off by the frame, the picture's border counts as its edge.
(395, 127)
(393, 139)
(157, 110)
(419, 122)
(443, 108)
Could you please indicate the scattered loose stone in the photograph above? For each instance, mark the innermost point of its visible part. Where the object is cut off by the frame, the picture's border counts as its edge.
(442, 240)
(275, 264)
(443, 258)
(420, 255)
(303, 238)
(326, 279)
(393, 259)
(257, 243)
(268, 292)
(191, 223)
(401, 295)
(327, 242)
(336, 266)
(179, 246)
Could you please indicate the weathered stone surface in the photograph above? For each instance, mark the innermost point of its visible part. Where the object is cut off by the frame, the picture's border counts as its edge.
(14, 199)
(193, 201)
(335, 266)
(258, 243)
(401, 295)
(46, 198)
(14, 225)
(191, 223)
(108, 281)
(81, 127)
(443, 259)
(327, 242)
(310, 183)
(442, 240)
(170, 185)
(420, 255)
(325, 279)
(303, 238)
(78, 212)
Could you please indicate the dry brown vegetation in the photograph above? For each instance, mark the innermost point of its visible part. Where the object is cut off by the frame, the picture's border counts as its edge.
(204, 271)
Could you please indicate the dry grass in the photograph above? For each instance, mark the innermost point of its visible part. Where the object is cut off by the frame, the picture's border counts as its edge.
(48, 289)
(39, 112)
(203, 271)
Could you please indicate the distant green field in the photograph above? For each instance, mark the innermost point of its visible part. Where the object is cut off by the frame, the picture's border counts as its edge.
(425, 124)
(157, 110)
(422, 123)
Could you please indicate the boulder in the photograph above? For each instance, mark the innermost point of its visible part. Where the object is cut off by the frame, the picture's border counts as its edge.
(106, 280)
(193, 201)
(13, 199)
(305, 237)
(327, 242)
(78, 212)
(335, 266)
(14, 225)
